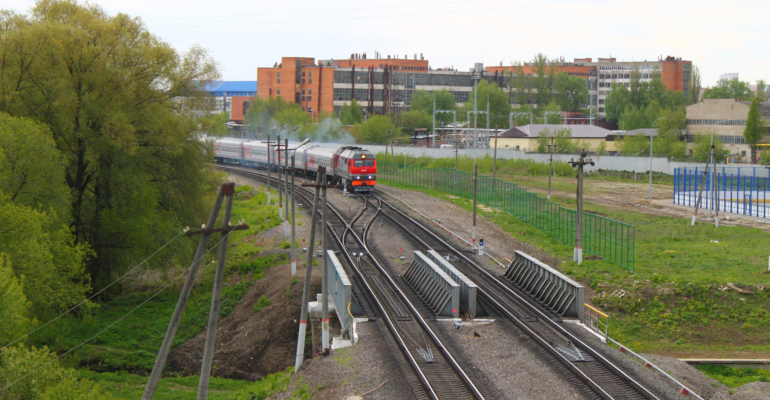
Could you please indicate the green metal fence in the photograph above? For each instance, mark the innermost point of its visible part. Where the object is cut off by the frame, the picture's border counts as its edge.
(604, 237)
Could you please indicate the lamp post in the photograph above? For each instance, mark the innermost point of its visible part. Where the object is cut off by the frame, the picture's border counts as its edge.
(651, 137)
(293, 202)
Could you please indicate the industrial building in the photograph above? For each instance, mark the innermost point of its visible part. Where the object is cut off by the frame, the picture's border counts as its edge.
(727, 119)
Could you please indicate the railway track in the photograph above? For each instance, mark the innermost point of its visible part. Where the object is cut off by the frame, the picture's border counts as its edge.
(437, 374)
(586, 367)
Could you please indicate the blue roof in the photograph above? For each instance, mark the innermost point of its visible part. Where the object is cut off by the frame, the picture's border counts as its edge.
(233, 88)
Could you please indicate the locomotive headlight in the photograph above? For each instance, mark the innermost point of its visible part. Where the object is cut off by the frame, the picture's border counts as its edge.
(358, 177)
(370, 177)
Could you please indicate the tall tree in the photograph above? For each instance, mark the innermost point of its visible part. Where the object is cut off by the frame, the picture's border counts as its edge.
(754, 131)
(693, 90)
(763, 90)
(415, 119)
(423, 101)
(119, 103)
(351, 114)
(570, 92)
(375, 130)
(544, 79)
(729, 89)
(520, 84)
(499, 105)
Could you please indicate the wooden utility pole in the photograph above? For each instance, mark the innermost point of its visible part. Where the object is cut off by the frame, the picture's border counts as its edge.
(582, 161)
(226, 190)
(700, 195)
(550, 167)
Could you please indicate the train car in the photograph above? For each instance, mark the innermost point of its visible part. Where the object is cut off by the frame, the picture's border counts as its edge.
(319, 156)
(228, 151)
(255, 154)
(355, 168)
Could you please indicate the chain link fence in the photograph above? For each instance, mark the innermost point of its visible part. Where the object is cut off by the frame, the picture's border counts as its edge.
(603, 237)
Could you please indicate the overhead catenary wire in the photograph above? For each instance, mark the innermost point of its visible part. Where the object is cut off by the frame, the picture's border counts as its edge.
(73, 308)
(2, 390)
(422, 14)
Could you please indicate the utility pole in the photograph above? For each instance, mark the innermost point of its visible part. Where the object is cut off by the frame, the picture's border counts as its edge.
(578, 253)
(434, 120)
(324, 277)
(700, 194)
(308, 270)
(550, 166)
(715, 185)
(494, 156)
(280, 180)
(268, 169)
(475, 185)
(211, 331)
(651, 136)
(293, 222)
(227, 189)
(286, 185)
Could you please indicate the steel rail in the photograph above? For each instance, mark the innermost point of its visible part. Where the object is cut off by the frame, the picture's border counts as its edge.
(487, 293)
(391, 325)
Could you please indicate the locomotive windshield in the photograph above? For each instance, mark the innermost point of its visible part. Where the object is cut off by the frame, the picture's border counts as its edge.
(363, 163)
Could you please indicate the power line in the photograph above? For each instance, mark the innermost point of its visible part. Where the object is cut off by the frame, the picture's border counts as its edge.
(379, 16)
(114, 323)
(317, 11)
(97, 293)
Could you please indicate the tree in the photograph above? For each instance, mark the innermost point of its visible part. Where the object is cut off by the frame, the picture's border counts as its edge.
(693, 90)
(570, 92)
(754, 131)
(552, 118)
(729, 89)
(423, 101)
(562, 141)
(33, 166)
(120, 105)
(13, 302)
(520, 84)
(376, 130)
(616, 103)
(415, 119)
(763, 90)
(544, 79)
(702, 148)
(351, 114)
(499, 105)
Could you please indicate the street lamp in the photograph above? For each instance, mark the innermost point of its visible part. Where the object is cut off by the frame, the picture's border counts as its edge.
(651, 137)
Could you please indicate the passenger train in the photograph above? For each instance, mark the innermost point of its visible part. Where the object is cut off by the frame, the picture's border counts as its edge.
(351, 166)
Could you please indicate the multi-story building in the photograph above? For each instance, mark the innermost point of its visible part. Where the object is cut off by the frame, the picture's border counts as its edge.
(727, 119)
(222, 93)
(382, 84)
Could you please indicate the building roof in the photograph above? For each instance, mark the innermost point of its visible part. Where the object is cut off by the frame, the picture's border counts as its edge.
(233, 88)
(578, 131)
(764, 106)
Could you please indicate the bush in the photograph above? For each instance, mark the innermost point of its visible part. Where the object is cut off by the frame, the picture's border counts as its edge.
(244, 188)
(262, 303)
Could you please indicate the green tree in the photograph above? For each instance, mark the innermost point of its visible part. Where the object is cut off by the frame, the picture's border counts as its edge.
(33, 166)
(702, 148)
(351, 114)
(544, 79)
(376, 130)
(215, 125)
(120, 105)
(552, 118)
(562, 141)
(616, 103)
(423, 101)
(693, 90)
(520, 84)
(729, 89)
(754, 131)
(571, 92)
(499, 105)
(13, 302)
(415, 119)
(763, 90)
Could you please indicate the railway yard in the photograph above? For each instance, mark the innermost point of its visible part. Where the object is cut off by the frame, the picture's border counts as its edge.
(516, 348)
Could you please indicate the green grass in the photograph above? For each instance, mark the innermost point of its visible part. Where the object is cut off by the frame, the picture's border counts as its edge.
(734, 377)
(262, 303)
(132, 344)
(674, 303)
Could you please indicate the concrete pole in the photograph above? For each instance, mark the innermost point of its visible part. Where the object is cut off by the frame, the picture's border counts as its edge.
(711, 159)
(160, 361)
(475, 185)
(651, 137)
(216, 295)
(293, 224)
(308, 270)
(286, 185)
(494, 157)
(700, 195)
(579, 222)
(550, 168)
(280, 178)
(475, 113)
(715, 185)
(324, 283)
(434, 120)
(268, 169)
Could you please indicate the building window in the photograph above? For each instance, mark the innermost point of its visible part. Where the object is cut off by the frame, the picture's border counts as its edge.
(303, 73)
(310, 91)
(309, 80)
(303, 98)
(309, 98)
(626, 76)
(743, 153)
(310, 74)
(279, 92)
(303, 91)
(601, 101)
(279, 80)
(279, 74)
(303, 80)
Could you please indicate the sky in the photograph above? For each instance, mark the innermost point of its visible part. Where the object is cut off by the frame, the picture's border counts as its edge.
(717, 37)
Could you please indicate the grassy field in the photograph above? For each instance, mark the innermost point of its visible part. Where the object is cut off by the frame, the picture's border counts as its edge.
(677, 303)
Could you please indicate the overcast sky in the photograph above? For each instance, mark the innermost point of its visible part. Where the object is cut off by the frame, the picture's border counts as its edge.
(718, 37)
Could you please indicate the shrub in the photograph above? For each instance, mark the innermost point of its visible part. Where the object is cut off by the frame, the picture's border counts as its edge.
(262, 303)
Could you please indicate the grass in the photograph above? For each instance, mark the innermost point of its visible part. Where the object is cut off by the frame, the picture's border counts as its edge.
(262, 303)
(676, 302)
(132, 344)
(734, 377)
